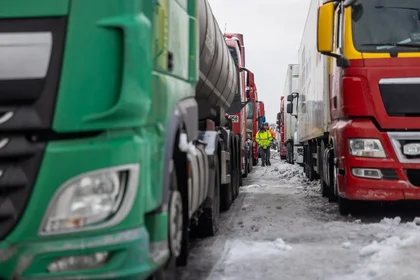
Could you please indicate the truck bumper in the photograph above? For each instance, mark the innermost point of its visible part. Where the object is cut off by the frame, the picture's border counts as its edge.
(128, 252)
(376, 190)
(399, 178)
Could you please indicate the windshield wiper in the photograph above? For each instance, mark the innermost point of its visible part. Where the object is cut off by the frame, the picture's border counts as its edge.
(393, 45)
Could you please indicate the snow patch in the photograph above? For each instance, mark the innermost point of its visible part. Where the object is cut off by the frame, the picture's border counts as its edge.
(346, 245)
(282, 245)
(186, 146)
(394, 257)
(245, 250)
(391, 221)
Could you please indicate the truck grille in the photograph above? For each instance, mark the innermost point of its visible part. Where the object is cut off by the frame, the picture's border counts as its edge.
(20, 161)
(401, 96)
(31, 53)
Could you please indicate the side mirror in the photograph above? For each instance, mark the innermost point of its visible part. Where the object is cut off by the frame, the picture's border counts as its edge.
(325, 29)
(289, 108)
(278, 116)
(290, 98)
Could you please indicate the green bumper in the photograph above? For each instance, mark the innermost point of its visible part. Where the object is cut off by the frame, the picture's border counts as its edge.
(129, 257)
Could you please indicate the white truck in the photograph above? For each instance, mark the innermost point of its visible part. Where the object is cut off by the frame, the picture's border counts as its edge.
(294, 151)
(312, 97)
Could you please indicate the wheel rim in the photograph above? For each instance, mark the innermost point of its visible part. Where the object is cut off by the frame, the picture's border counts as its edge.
(175, 223)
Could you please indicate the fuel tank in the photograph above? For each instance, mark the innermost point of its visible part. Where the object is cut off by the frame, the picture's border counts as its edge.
(218, 82)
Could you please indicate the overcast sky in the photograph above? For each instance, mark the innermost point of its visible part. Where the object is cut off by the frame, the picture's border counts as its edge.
(272, 31)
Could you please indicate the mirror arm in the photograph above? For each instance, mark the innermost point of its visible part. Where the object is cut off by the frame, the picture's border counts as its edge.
(342, 61)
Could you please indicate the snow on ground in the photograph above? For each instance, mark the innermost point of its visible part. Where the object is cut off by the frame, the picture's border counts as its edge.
(281, 228)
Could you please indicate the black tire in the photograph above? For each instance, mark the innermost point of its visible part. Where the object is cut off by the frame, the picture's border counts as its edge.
(324, 188)
(311, 171)
(332, 196)
(208, 224)
(182, 258)
(250, 163)
(345, 206)
(227, 195)
(226, 190)
(324, 185)
(178, 252)
(246, 169)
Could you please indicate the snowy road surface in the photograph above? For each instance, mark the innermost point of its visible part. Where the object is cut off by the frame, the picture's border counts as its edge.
(281, 228)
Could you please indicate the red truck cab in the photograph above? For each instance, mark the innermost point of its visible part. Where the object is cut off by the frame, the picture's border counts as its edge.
(236, 47)
(374, 135)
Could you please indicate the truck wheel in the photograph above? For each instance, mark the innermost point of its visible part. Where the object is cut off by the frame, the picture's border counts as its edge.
(246, 168)
(177, 232)
(332, 196)
(250, 163)
(179, 221)
(324, 186)
(226, 190)
(227, 195)
(236, 182)
(208, 224)
(345, 206)
(311, 171)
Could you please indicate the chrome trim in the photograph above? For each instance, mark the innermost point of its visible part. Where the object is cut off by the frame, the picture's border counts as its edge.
(25, 55)
(395, 138)
(401, 81)
(125, 206)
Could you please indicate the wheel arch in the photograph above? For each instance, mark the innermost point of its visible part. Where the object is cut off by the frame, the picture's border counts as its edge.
(183, 118)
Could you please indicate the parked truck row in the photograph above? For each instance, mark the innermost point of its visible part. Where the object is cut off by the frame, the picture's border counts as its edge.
(123, 131)
(357, 103)
(291, 150)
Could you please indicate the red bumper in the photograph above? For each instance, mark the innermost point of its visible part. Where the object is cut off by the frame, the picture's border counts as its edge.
(401, 179)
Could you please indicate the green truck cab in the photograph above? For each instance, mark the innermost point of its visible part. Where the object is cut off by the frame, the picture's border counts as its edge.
(110, 151)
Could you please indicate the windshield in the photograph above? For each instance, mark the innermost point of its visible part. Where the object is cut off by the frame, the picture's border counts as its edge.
(234, 54)
(250, 111)
(381, 25)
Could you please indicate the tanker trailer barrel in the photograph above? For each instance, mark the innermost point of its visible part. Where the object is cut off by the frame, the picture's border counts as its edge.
(218, 81)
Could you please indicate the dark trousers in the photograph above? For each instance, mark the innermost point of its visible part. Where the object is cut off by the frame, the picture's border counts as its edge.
(265, 155)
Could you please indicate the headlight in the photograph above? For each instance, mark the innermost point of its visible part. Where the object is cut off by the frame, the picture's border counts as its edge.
(92, 200)
(366, 148)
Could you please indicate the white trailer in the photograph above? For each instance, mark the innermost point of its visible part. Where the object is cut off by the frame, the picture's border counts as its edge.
(291, 87)
(312, 99)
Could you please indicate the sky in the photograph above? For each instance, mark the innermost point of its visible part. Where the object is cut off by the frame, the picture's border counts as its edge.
(272, 33)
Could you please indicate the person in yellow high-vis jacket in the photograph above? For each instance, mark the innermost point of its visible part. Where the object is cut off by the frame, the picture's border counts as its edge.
(264, 139)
